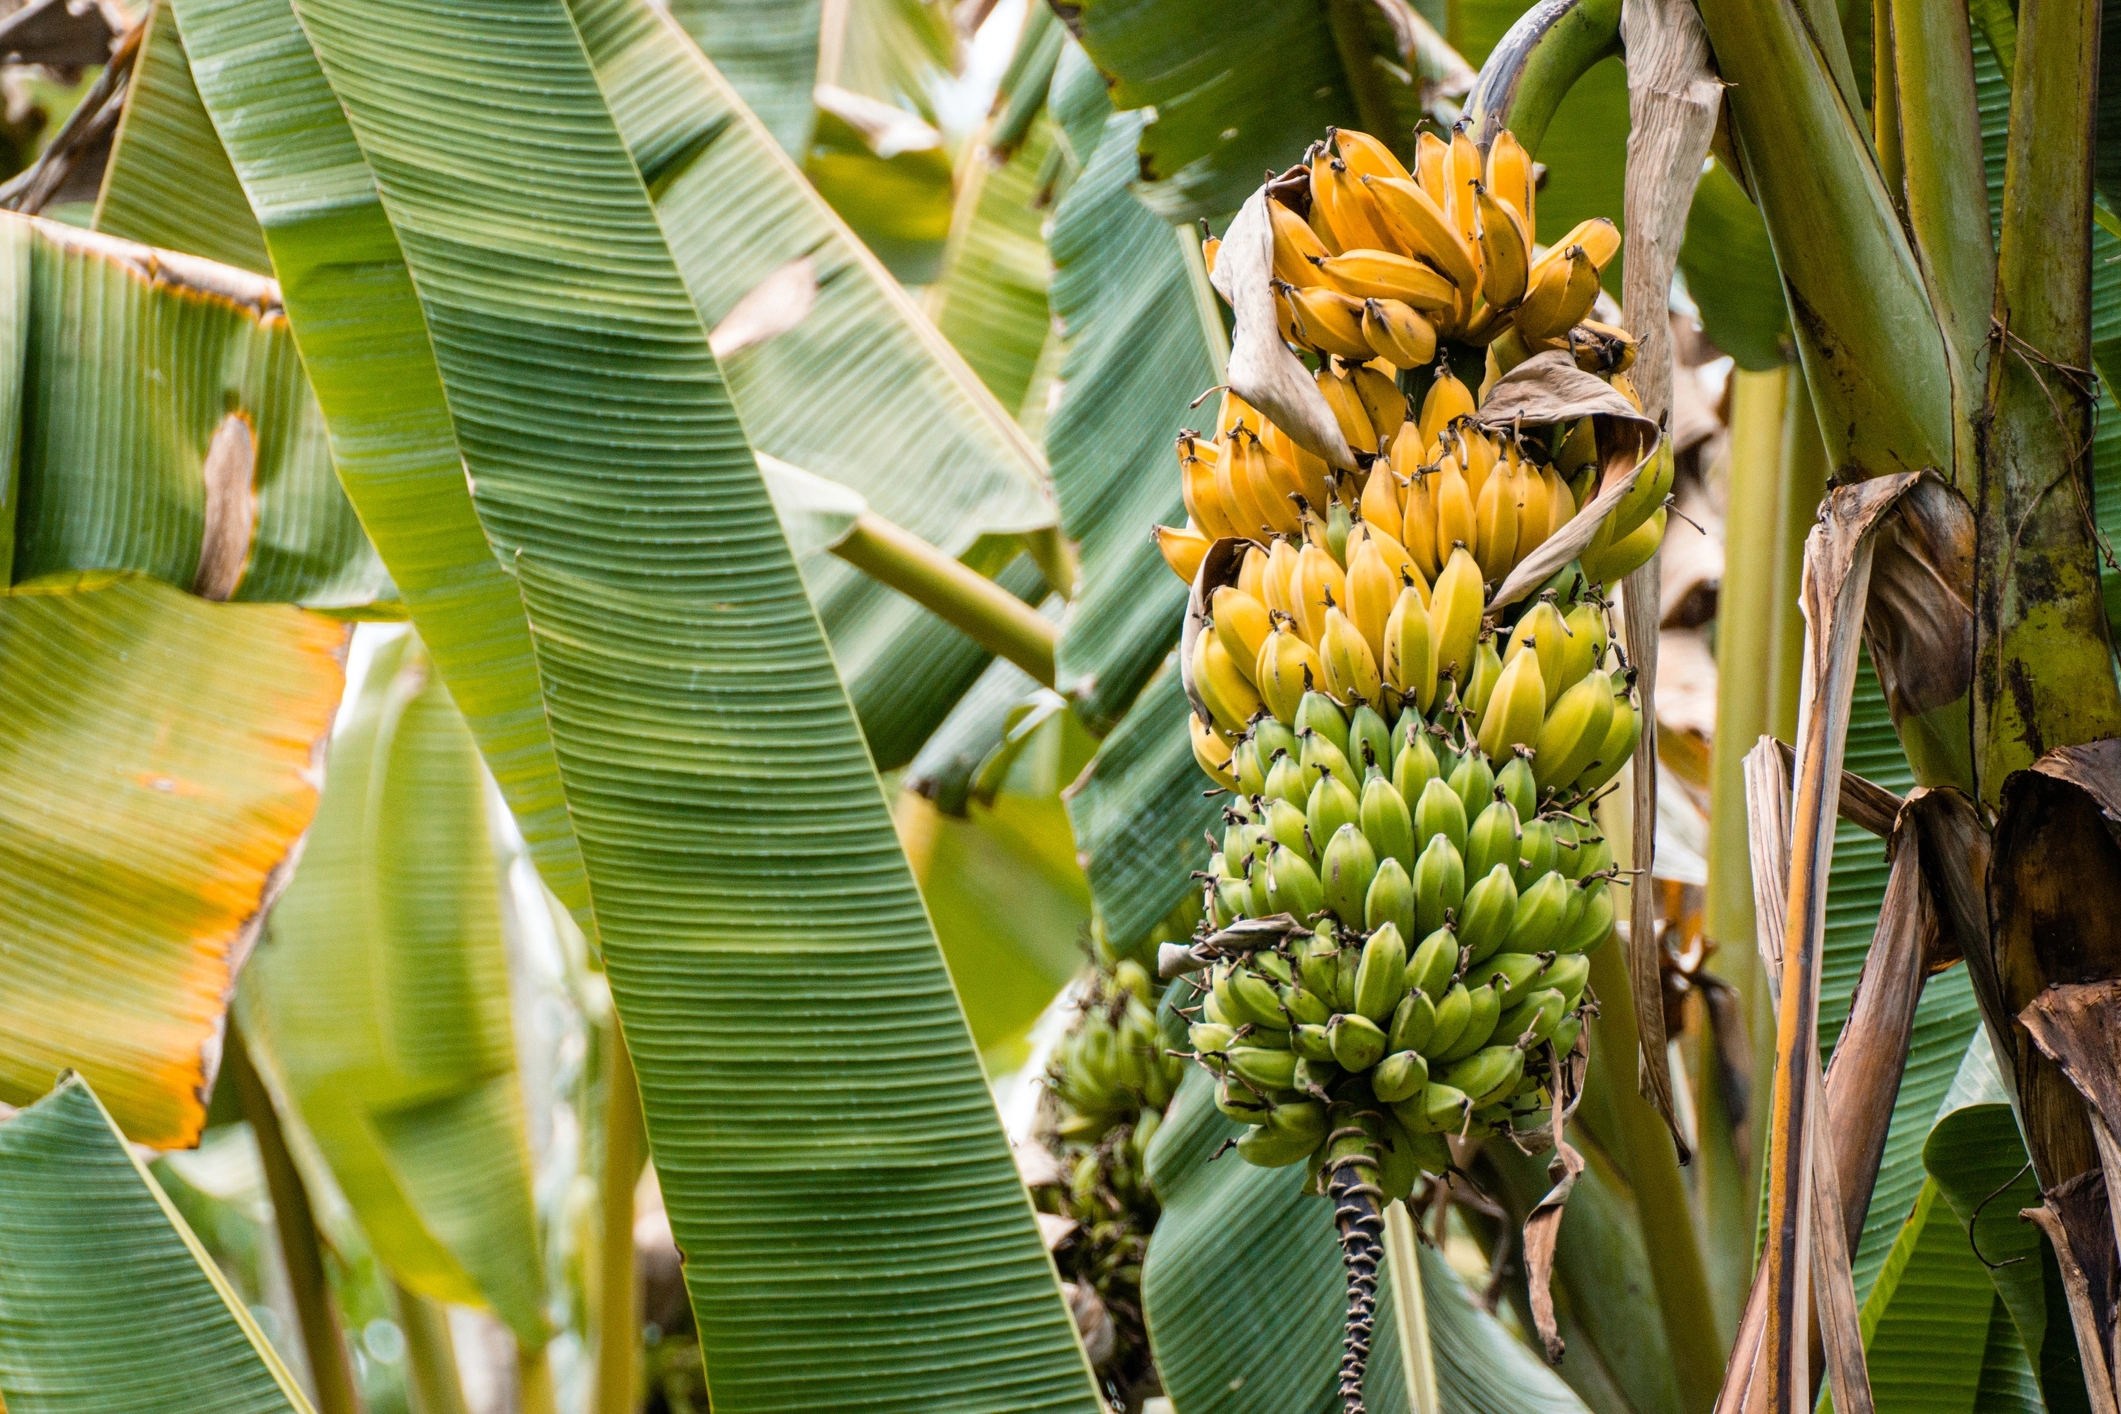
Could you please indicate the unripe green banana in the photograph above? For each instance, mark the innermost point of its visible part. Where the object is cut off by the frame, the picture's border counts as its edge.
(1613, 752)
(1519, 787)
(1293, 886)
(1317, 1074)
(1272, 736)
(1286, 822)
(1473, 782)
(1645, 496)
(1439, 884)
(1414, 766)
(1413, 1022)
(1567, 974)
(1532, 1018)
(1594, 927)
(1537, 854)
(1253, 997)
(1299, 1119)
(1217, 1009)
(1492, 840)
(1316, 963)
(1345, 964)
(1369, 742)
(1570, 738)
(1381, 976)
(1304, 1006)
(1564, 1038)
(1273, 966)
(1398, 1166)
(1438, 811)
(1486, 1075)
(1268, 1070)
(1539, 913)
(1593, 855)
(1239, 1103)
(1350, 865)
(1257, 877)
(1285, 780)
(1399, 1076)
(1453, 1013)
(1320, 713)
(1309, 1042)
(1269, 1150)
(1489, 911)
(1232, 901)
(1247, 766)
(1405, 728)
(1333, 804)
(1486, 1010)
(1358, 1042)
(1439, 1109)
(1319, 755)
(1390, 900)
(1487, 672)
(1209, 1037)
(1511, 974)
(1434, 964)
(1387, 821)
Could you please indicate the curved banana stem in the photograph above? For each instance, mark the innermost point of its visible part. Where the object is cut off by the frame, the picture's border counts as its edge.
(1359, 1215)
(1532, 69)
(976, 606)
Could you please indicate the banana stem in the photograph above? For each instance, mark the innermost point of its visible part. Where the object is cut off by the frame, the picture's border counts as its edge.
(618, 1316)
(1355, 1213)
(330, 1370)
(430, 1354)
(976, 606)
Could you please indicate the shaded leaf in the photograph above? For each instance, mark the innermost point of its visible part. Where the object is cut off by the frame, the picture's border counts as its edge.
(158, 761)
(767, 49)
(1731, 276)
(107, 1301)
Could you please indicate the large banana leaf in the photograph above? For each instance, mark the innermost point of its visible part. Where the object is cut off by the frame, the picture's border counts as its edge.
(157, 765)
(119, 372)
(1730, 273)
(381, 988)
(834, 1168)
(1144, 339)
(767, 49)
(108, 1304)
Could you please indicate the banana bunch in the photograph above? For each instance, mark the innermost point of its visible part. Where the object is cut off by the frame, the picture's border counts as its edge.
(1104, 1189)
(1111, 1066)
(1374, 261)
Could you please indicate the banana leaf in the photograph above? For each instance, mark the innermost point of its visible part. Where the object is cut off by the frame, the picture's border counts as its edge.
(158, 762)
(1234, 89)
(381, 990)
(107, 1301)
(832, 1162)
(120, 372)
(1144, 339)
(767, 49)
(1730, 274)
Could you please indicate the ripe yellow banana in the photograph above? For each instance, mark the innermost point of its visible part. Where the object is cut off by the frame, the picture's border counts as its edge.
(1626, 555)
(1534, 515)
(1351, 668)
(1423, 227)
(1398, 333)
(1543, 631)
(1252, 572)
(1238, 479)
(1202, 492)
(1561, 502)
(1431, 156)
(1573, 732)
(1381, 400)
(1603, 349)
(1349, 210)
(1505, 251)
(1380, 500)
(1330, 321)
(1312, 473)
(1401, 564)
(1287, 669)
(1318, 583)
(1183, 549)
(1279, 580)
(1296, 248)
(1379, 274)
(1456, 602)
(1463, 173)
(1373, 590)
(1410, 650)
(1599, 238)
(1511, 178)
(1243, 624)
(1212, 750)
(1561, 290)
(1478, 456)
(1417, 513)
(1454, 508)
(1447, 400)
(1516, 708)
(1584, 648)
(1216, 678)
(1366, 156)
(1495, 527)
(1348, 411)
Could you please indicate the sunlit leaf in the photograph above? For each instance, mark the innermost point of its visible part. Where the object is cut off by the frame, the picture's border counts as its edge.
(158, 761)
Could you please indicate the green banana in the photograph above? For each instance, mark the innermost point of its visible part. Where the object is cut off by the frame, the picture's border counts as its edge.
(1399, 1076)
(1487, 1075)
(1567, 974)
(1350, 865)
(1439, 810)
(1333, 804)
(1262, 1146)
(1473, 781)
(1387, 821)
(1519, 787)
(1414, 765)
(1390, 900)
(1273, 737)
(1434, 964)
(1318, 754)
(1398, 1163)
(1308, 1041)
(1512, 974)
(1319, 713)
(1299, 1119)
(1413, 1022)
(1256, 1000)
(1537, 853)
(1369, 741)
(1247, 766)
(1594, 927)
(1286, 824)
(1487, 671)
(1439, 1108)
(1492, 839)
(1293, 886)
(1269, 1070)
(1533, 1017)
(1240, 1103)
(1453, 1014)
(1539, 913)
(1439, 884)
(1304, 1006)
(1381, 976)
(1490, 909)
(1209, 1037)
(1285, 780)
(1358, 1042)
(1564, 1038)
(1315, 966)
(1486, 1010)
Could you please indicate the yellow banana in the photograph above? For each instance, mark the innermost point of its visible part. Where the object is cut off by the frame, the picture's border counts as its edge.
(1241, 621)
(1477, 456)
(1279, 579)
(1511, 179)
(1463, 173)
(1373, 590)
(1381, 400)
(1545, 632)
(1579, 454)
(1380, 500)
(1534, 516)
(1417, 524)
(1212, 750)
(1379, 274)
(1318, 582)
(1312, 473)
(1235, 479)
(1599, 238)
(1627, 554)
(1516, 708)
(1202, 492)
(1495, 527)
(1348, 411)
(1454, 508)
(1229, 695)
(1645, 496)
(1447, 400)
(1398, 333)
(1183, 549)
(1330, 321)
(1561, 290)
(1296, 248)
(1603, 349)
(1487, 671)
(1351, 668)
(1456, 602)
(1349, 210)
(1399, 563)
(1583, 649)
(1424, 228)
(1285, 320)
(1287, 669)
(1561, 502)
(1366, 156)
(1573, 732)
(1252, 572)
(1431, 156)
(1410, 650)
(1505, 251)
(1274, 484)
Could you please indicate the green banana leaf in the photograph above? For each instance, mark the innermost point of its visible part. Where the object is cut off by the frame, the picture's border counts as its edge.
(381, 990)
(107, 1301)
(830, 1157)
(157, 767)
(1243, 1290)
(1730, 274)
(1930, 1294)
(1144, 339)
(117, 384)
(1235, 89)
(767, 49)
